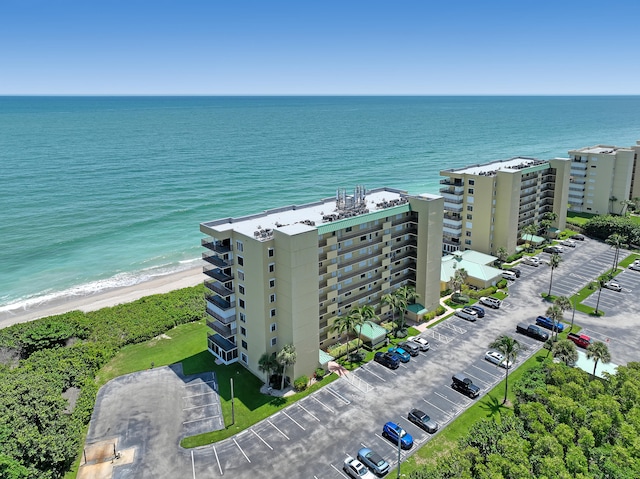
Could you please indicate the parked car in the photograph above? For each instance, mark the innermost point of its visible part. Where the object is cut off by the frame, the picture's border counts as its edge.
(578, 237)
(410, 347)
(392, 432)
(509, 275)
(422, 343)
(531, 261)
(463, 384)
(553, 249)
(373, 461)
(569, 242)
(532, 331)
(421, 419)
(392, 361)
(548, 324)
(581, 340)
(516, 271)
(404, 356)
(634, 267)
(612, 285)
(497, 358)
(467, 313)
(356, 469)
(478, 309)
(491, 302)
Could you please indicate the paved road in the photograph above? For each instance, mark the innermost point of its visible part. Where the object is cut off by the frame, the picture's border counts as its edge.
(312, 437)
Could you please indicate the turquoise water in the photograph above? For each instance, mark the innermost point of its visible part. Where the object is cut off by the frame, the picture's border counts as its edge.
(99, 192)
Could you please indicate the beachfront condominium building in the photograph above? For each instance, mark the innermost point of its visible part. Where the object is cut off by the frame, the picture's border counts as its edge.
(602, 177)
(487, 206)
(283, 276)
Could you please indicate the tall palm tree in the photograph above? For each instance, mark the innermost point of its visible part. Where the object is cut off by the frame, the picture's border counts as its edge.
(598, 284)
(459, 277)
(394, 302)
(616, 241)
(399, 300)
(509, 347)
(268, 364)
(565, 351)
(362, 315)
(344, 325)
(502, 255)
(565, 304)
(548, 218)
(554, 313)
(286, 357)
(529, 230)
(554, 262)
(599, 352)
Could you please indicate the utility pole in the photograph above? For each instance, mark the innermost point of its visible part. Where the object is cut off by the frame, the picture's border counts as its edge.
(233, 415)
(399, 448)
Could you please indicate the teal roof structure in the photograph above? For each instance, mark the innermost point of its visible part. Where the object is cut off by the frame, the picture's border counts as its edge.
(372, 331)
(416, 308)
(532, 238)
(480, 271)
(324, 358)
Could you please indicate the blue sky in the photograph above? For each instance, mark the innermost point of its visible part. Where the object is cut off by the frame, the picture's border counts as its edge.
(362, 47)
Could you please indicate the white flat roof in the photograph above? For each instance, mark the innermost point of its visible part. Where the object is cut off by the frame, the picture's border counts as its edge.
(598, 149)
(296, 219)
(512, 164)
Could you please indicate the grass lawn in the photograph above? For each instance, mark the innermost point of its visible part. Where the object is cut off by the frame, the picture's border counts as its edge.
(489, 406)
(579, 219)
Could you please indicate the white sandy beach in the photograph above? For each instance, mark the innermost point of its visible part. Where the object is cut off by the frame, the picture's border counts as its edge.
(111, 297)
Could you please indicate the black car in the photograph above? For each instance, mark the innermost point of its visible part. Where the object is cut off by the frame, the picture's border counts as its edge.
(578, 237)
(390, 360)
(516, 271)
(463, 384)
(422, 420)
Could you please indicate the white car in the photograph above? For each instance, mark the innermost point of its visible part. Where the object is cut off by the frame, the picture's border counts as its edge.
(491, 302)
(531, 261)
(634, 267)
(422, 343)
(467, 313)
(497, 358)
(612, 285)
(356, 469)
(569, 242)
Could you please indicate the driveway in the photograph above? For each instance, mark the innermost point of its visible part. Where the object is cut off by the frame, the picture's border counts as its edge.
(313, 436)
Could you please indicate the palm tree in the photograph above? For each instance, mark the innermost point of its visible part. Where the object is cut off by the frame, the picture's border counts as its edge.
(399, 300)
(616, 241)
(529, 230)
(554, 261)
(598, 284)
(362, 315)
(554, 313)
(344, 324)
(502, 255)
(509, 348)
(598, 351)
(547, 221)
(565, 304)
(458, 279)
(393, 301)
(565, 351)
(286, 357)
(268, 364)
(625, 205)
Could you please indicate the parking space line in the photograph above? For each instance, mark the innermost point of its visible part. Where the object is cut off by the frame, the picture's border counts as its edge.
(201, 394)
(453, 327)
(486, 372)
(339, 471)
(387, 442)
(295, 422)
(201, 419)
(196, 407)
(197, 384)
(276, 428)
(465, 403)
(193, 465)
(330, 390)
(245, 456)
(448, 415)
(308, 412)
(322, 404)
(258, 436)
(217, 459)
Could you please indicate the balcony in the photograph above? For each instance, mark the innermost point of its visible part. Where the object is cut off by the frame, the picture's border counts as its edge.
(221, 344)
(220, 302)
(454, 190)
(457, 208)
(452, 223)
(225, 330)
(216, 246)
(216, 260)
(452, 231)
(219, 317)
(451, 198)
(218, 274)
(218, 287)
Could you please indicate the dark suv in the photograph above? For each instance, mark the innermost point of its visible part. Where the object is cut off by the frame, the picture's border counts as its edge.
(390, 360)
(463, 384)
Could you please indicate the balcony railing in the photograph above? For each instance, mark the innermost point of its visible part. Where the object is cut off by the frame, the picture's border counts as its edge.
(218, 287)
(223, 329)
(219, 317)
(216, 246)
(218, 274)
(220, 302)
(216, 260)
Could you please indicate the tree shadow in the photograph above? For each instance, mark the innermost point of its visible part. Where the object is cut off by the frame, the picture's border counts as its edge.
(493, 406)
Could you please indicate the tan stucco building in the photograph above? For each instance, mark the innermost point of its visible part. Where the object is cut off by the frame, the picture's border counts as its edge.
(601, 177)
(283, 276)
(486, 206)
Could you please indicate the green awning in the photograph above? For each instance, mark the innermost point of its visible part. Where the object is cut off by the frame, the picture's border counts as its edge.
(324, 358)
(532, 239)
(372, 332)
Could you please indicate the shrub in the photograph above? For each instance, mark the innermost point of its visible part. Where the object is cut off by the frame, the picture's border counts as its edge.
(401, 333)
(460, 298)
(446, 292)
(440, 310)
(301, 383)
(320, 372)
(501, 284)
(514, 257)
(483, 292)
(340, 350)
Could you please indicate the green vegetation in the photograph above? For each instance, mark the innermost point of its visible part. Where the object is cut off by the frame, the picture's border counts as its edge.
(578, 219)
(40, 435)
(563, 424)
(602, 227)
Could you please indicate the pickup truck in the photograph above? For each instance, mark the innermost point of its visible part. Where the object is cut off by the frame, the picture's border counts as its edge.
(547, 323)
(581, 340)
(532, 331)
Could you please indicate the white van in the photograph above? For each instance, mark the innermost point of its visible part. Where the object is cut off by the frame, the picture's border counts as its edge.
(491, 302)
(509, 275)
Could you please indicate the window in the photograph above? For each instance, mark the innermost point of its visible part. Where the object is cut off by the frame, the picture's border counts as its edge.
(244, 358)
(273, 327)
(470, 191)
(467, 242)
(469, 217)
(270, 252)
(472, 182)
(241, 275)
(240, 260)
(239, 246)
(468, 233)
(272, 283)
(272, 298)
(243, 317)
(274, 341)
(241, 303)
(241, 289)
(244, 344)
(272, 312)
(348, 229)
(272, 267)
(469, 208)
(243, 330)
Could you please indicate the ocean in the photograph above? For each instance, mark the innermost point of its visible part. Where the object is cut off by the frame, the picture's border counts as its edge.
(100, 192)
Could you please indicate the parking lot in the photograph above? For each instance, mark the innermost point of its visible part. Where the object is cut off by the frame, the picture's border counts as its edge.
(316, 434)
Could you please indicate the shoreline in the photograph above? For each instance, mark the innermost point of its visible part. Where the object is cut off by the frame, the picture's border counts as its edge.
(104, 299)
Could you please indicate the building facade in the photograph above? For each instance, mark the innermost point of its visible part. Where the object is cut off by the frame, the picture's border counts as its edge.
(601, 177)
(487, 206)
(283, 276)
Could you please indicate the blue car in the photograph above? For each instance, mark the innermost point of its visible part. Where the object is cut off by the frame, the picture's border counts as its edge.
(479, 310)
(392, 431)
(404, 356)
(548, 324)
